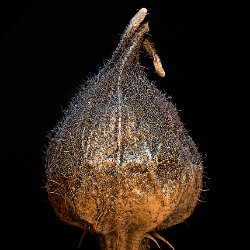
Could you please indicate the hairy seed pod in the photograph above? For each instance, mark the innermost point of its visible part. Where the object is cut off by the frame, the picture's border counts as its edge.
(120, 163)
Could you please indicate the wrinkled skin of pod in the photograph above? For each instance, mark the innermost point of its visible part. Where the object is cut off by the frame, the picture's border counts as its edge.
(120, 163)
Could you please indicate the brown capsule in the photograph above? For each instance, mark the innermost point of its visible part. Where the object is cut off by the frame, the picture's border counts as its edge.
(120, 163)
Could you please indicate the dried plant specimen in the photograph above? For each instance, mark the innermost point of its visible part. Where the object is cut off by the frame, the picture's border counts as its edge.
(120, 162)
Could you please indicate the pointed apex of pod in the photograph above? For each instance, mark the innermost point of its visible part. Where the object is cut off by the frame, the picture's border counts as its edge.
(134, 38)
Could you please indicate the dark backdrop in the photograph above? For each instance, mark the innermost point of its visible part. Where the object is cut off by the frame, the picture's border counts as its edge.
(47, 49)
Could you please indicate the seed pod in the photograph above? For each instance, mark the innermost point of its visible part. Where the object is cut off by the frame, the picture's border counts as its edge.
(120, 163)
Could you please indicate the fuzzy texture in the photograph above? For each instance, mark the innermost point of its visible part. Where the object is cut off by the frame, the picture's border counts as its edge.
(120, 162)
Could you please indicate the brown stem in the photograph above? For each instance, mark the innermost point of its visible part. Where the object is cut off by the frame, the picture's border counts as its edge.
(123, 242)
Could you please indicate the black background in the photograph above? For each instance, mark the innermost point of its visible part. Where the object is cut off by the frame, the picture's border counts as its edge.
(47, 49)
